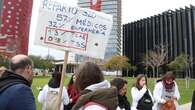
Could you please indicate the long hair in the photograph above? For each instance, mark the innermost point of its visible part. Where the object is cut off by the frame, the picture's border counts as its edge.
(54, 82)
(71, 80)
(118, 83)
(139, 77)
(168, 75)
(88, 74)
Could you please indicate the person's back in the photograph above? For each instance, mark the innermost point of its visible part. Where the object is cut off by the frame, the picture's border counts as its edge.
(15, 91)
(49, 94)
(93, 88)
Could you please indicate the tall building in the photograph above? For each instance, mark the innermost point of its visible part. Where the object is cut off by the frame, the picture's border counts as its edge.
(15, 26)
(175, 28)
(112, 7)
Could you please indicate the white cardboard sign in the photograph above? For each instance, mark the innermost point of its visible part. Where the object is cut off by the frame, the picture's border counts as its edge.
(79, 30)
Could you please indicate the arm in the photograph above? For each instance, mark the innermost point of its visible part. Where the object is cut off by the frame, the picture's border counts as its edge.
(158, 93)
(177, 94)
(42, 94)
(65, 97)
(136, 94)
(193, 102)
(75, 98)
(22, 100)
(151, 95)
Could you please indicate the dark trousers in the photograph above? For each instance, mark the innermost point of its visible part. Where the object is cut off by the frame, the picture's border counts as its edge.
(193, 102)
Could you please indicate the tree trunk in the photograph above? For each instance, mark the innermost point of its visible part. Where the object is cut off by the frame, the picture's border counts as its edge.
(157, 72)
(153, 70)
(187, 79)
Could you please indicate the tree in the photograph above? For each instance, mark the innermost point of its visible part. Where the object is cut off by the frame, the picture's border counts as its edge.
(181, 63)
(118, 63)
(156, 58)
(42, 63)
(4, 61)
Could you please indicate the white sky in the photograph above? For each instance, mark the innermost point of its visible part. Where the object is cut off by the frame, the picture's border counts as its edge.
(132, 10)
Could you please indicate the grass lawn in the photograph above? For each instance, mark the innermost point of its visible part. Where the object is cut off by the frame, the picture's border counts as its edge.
(186, 94)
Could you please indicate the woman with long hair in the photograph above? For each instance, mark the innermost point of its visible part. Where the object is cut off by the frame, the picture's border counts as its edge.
(166, 91)
(141, 95)
(95, 91)
(48, 95)
(73, 93)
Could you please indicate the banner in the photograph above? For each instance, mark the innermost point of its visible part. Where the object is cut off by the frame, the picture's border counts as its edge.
(79, 30)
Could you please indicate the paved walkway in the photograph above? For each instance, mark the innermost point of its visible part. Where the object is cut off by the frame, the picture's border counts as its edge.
(186, 106)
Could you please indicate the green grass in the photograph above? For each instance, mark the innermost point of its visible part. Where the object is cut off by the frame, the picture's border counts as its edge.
(186, 94)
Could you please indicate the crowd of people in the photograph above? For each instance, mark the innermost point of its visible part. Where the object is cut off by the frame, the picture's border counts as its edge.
(86, 90)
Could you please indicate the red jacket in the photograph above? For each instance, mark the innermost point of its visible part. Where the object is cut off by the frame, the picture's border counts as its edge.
(73, 93)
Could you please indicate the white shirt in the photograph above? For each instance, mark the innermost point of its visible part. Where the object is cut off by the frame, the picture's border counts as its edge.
(158, 89)
(43, 95)
(137, 95)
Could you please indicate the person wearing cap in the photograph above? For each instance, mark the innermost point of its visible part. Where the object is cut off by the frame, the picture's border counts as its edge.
(15, 91)
(53, 86)
(166, 92)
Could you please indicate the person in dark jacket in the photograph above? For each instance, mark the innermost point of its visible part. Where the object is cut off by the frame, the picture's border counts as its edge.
(193, 102)
(121, 86)
(93, 88)
(15, 91)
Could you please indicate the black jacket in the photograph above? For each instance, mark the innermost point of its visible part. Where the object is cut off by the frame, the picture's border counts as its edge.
(193, 101)
(15, 93)
(123, 102)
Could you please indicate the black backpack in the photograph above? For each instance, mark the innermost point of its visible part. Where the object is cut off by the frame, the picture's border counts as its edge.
(145, 103)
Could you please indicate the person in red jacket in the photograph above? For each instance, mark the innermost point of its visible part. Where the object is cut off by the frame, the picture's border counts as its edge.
(72, 92)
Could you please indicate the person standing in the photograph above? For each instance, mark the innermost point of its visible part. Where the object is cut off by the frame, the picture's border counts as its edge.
(165, 91)
(15, 91)
(121, 85)
(49, 94)
(141, 95)
(193, 101)
(96, 93)
(73, 93)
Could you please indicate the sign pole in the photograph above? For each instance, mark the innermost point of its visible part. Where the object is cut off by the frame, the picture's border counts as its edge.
(62, 79)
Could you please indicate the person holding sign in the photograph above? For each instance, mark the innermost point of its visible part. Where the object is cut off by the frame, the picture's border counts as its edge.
(96, 93)
(49, 94)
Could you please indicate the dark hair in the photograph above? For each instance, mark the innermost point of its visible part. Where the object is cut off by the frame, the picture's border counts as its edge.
(139, 77)
(22, 64)
(88, 74)
(168, 75)
(54, 82)
(118, 83)
(71, 80)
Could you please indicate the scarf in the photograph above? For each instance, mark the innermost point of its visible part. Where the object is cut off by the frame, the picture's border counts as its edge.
(9, 79)
(169, 87)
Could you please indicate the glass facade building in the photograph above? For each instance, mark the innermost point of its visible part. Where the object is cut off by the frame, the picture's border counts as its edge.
(175, 28)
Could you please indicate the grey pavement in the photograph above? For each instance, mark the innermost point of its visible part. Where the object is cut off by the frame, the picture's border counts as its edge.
(185, 106)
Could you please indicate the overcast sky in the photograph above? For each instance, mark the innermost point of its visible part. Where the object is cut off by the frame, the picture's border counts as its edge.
(132, 10)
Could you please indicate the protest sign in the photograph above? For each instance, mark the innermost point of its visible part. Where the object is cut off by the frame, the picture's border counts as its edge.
(78, 30)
